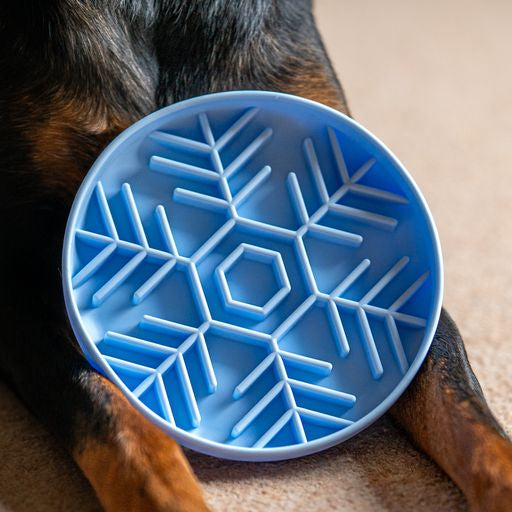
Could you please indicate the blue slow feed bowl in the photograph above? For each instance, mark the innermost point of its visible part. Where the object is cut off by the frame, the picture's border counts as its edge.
(257, 273)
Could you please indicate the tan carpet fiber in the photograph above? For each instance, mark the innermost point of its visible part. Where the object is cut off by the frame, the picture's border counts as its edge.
(434, 81)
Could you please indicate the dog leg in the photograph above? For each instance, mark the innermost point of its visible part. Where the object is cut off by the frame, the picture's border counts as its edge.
(446, 415)
(132, 465)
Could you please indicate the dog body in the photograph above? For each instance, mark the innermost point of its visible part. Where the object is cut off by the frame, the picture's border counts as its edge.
(76, 73)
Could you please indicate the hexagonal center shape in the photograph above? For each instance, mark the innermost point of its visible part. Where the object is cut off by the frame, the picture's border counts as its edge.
(252, 281)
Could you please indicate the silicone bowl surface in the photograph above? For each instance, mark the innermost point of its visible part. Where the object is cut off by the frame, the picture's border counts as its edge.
(256, 271)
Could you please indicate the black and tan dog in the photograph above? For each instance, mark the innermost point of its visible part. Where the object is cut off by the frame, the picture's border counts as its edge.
(73, 74)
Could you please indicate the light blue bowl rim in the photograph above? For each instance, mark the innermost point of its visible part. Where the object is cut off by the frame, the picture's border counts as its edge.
(185, 438)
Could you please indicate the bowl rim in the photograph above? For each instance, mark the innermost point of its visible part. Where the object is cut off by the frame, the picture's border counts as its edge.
(188, 439)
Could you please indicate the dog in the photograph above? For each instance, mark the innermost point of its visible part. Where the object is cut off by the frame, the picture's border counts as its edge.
(75, 73)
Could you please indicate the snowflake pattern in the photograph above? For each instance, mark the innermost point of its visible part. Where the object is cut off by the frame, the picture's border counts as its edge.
(334, 301)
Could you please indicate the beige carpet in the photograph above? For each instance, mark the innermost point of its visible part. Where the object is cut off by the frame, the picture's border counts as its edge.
(434, 81)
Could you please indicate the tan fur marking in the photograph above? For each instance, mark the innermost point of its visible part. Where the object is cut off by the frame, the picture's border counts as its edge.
(68, 139)
(315, 85)
(137, 468)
